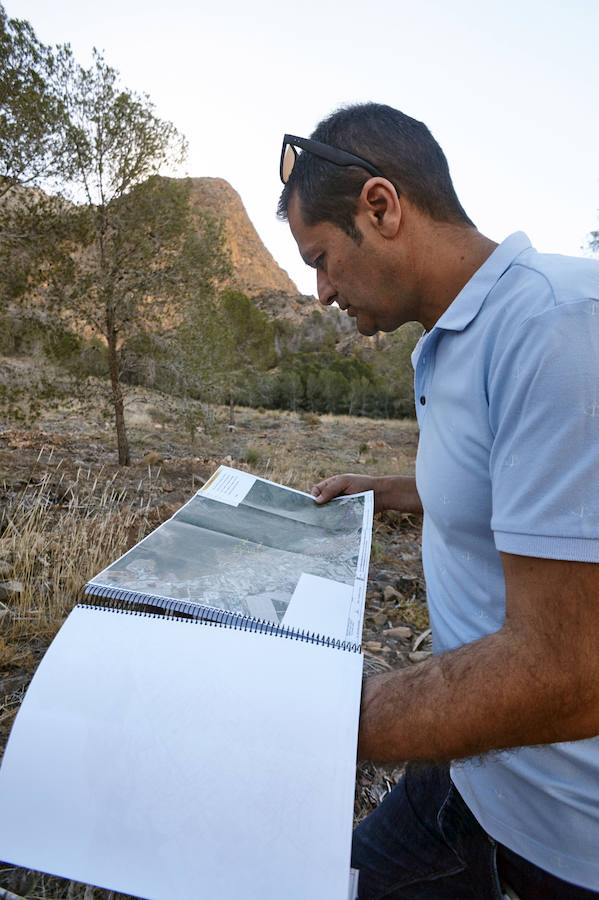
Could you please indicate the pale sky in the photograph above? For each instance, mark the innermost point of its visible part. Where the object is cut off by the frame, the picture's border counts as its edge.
(509, 89)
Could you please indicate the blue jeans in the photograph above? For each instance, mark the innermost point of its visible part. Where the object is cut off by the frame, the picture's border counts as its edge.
(423, 843)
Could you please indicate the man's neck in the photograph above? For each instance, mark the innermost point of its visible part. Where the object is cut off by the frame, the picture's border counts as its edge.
(449, 255)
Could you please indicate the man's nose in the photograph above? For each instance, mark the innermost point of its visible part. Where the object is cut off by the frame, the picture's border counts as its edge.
(326, 291)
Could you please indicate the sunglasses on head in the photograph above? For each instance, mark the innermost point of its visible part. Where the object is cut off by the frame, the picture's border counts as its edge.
(324, 151)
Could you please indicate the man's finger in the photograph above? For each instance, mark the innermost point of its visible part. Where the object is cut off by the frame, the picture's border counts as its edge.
(330, 487)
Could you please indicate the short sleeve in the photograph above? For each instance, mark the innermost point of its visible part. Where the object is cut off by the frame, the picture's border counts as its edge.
(544, 415)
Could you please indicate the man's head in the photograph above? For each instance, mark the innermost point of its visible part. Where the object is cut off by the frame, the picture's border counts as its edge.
(399, 147)
(371, 206)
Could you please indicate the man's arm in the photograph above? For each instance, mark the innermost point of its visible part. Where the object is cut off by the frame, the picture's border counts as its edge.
(390, 491)
(535, 681)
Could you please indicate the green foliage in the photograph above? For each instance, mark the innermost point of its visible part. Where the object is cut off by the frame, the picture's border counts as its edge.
(92, 360)
(215, 348)
(18, 406)
(251, 330)
(191, 417)
(33, 120)
(204, 352)
(46, 337)
(143, 260)
(206, 252)
(21, 403)
(328, 382)
(318, 334)
(284, 335)
(20, 335)
(377, 550)
(218, 346)
(62, 346)
(393, 365)
(251, 457)
(116, 138)
(314, 334)
(128, 255)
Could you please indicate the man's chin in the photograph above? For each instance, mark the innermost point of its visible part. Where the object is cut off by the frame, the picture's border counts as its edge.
(366, 330)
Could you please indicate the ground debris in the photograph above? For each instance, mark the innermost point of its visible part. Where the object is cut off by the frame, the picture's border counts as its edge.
(373, 784)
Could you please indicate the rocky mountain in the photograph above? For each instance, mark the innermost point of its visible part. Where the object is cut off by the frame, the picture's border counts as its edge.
(255, 270)
(257, 274)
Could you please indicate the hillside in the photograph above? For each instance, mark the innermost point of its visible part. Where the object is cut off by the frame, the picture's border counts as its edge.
(256, 273)
(262, 344)
(255, 270)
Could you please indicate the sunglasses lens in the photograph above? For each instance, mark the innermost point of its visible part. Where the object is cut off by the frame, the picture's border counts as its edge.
(288, 163)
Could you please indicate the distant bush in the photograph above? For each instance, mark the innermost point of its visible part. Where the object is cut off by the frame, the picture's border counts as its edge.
(251, 456)
(311, 419)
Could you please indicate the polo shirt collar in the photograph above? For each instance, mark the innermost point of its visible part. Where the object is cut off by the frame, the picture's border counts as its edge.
(468, 302)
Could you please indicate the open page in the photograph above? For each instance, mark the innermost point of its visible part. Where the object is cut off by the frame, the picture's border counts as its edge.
(174, 759)
(259, 549)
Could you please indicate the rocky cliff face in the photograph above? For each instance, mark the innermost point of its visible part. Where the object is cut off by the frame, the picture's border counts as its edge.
(256, 272)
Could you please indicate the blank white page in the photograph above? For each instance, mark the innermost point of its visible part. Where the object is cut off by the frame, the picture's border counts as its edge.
(169, 759)
(321, 606)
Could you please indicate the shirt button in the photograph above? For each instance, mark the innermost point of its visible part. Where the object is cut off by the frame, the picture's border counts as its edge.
(422, 400)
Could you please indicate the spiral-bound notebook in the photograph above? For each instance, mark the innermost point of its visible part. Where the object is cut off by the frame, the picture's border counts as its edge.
(191, 732)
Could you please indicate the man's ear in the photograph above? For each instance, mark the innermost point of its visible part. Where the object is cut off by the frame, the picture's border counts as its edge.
(380, 202)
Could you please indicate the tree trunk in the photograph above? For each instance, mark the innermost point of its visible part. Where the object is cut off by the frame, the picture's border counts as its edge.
(117, 394)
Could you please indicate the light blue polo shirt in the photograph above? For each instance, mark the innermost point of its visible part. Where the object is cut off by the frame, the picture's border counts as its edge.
(507, 398)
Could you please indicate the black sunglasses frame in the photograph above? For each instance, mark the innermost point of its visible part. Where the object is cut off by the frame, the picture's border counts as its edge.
(324, 151)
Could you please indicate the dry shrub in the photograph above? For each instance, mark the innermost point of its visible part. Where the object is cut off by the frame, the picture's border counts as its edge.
(311, 419)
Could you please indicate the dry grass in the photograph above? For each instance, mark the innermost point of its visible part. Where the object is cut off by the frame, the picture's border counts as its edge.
(287, 447)
(54, 542)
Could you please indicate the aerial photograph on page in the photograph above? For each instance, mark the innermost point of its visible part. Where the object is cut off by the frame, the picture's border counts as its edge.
(247, 558)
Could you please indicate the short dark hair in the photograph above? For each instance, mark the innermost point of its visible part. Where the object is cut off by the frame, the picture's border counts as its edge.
(399, 146)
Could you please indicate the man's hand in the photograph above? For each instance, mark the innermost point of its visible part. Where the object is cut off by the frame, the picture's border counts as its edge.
(342, 485)
(390, 491)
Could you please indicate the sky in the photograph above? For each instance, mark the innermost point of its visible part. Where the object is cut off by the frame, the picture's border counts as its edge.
(509, 89)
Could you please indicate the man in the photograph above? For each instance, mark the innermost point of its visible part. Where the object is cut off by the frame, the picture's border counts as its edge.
(507, 475)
